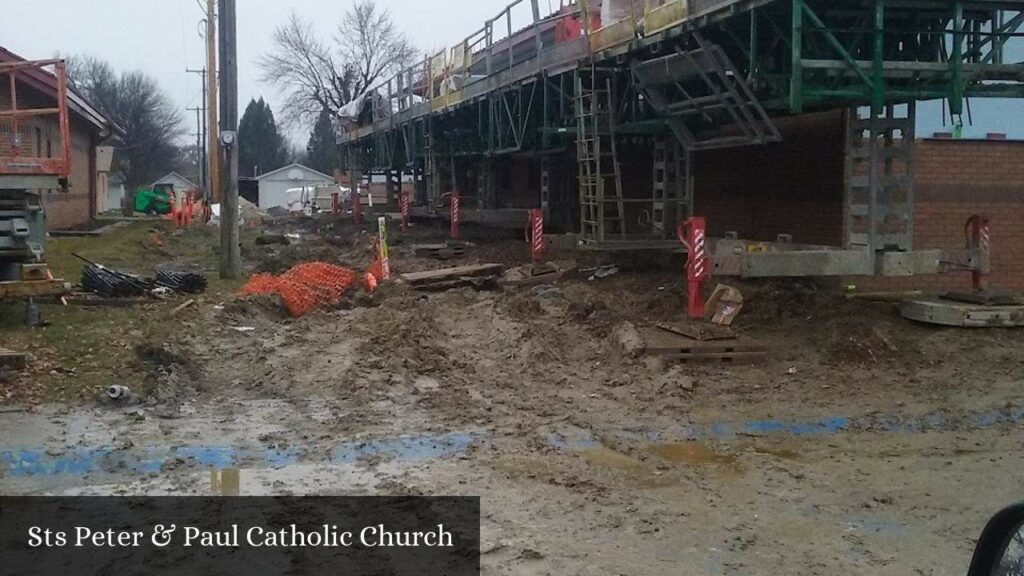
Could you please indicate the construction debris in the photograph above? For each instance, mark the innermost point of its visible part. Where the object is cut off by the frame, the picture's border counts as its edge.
(724, 305)
(892, 296)
(181, 282)
(629, 340)
(543, 273)
(445, 251)
(601, 272)
(109, 282)
(13, 360)
(699, 331)
(480, 276)
(188, 303)
(662, 343)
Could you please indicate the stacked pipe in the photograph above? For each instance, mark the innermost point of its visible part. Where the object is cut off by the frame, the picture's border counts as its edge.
(182, 282)
(103, 280)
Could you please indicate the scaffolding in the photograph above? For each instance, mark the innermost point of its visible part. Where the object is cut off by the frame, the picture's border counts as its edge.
(684, 76)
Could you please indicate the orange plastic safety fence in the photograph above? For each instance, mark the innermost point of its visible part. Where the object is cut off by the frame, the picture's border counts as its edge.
(305, 287)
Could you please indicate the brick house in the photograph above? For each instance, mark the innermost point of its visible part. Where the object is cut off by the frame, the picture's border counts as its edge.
(89, 130)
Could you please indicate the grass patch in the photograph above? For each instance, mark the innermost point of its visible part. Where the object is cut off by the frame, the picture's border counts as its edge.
(84, 349)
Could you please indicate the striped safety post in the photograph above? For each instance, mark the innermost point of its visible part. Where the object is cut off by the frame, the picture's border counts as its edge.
(456, 215)
(693, 235)
(405, 204)
(535, 235)
(357, 207)
(979, 239)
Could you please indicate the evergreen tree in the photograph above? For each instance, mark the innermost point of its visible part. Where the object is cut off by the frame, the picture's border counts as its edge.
(261, 148)
(322, 149)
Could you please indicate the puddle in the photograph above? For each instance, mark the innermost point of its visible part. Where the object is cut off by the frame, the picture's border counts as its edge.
(603, 456)
(226, 482)
(636, 472)
(698, 455)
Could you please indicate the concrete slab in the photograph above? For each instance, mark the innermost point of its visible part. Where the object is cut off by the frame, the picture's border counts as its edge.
(961, 314)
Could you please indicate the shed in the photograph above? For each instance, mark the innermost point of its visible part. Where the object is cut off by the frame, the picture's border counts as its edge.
(179, 182)
(274, 185)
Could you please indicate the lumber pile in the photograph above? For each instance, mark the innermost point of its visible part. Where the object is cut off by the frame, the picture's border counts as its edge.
(479, 276)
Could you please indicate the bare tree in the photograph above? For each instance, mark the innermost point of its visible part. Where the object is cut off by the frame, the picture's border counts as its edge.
(314, 77)
(134, 100)
(371, 44)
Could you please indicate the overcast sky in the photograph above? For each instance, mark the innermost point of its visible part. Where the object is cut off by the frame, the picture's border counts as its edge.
(160, 37)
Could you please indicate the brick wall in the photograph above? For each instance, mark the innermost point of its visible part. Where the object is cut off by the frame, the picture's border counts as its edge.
(796, 187)
(791, 187)
(954, 180)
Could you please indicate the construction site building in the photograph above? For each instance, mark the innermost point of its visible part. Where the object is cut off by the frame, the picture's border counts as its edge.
(788, 124)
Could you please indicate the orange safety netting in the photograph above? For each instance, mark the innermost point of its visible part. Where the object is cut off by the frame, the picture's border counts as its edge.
(305, 287)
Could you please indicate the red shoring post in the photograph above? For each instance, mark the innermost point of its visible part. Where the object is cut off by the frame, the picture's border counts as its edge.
(979, 239)
(456, 215)
(693, 235)
(357, 206)
(405, 205)
(535, 234)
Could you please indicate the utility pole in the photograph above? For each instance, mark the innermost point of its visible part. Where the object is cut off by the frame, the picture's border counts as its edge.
(200, 146)
(230, 251)
(213, 135)
(204, 169)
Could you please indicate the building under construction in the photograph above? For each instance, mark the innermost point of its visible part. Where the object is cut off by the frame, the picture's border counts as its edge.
(622, 119)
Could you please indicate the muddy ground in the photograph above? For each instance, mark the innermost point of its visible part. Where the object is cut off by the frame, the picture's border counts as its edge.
(863, 444)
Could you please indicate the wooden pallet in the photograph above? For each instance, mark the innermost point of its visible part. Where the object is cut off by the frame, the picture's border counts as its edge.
(664, 344)
(13, 360)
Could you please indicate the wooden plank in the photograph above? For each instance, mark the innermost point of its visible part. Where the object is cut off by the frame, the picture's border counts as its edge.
(453, 273)
(708, 348)
(13, 360)
(439, 251)
(670, 345)
(702, 332)
(722, 357)
(33, 289)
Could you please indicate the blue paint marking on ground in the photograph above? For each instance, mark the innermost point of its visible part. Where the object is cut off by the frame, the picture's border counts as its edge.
(82, 461)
